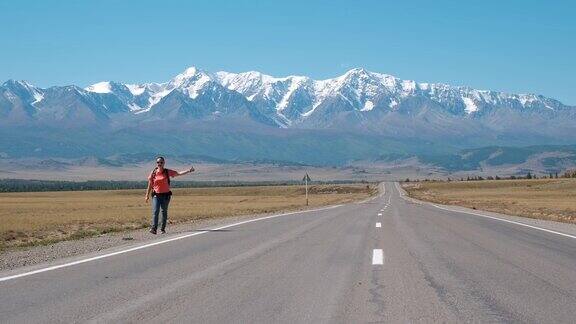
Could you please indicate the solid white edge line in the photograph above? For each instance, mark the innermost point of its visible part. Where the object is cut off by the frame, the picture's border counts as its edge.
(486, 216)
(378, 224)
(507, 221)
(377, 257)
(157, 243)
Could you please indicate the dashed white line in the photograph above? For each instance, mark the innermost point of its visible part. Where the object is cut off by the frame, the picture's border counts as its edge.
(377, 257)
(378, 224)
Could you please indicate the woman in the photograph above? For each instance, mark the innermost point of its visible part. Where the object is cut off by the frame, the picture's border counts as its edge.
(159, 186)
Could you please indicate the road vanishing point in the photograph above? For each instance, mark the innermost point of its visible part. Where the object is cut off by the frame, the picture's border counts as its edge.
(387, 259)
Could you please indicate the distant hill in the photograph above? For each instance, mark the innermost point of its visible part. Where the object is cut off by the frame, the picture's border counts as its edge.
(542, 158)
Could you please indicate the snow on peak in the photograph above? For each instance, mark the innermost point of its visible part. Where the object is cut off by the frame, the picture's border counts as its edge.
(240, 81)
(527, 99)
(20, 83)
(135, 89)
(26, 84)
(296, 82)
(156, 97)
(193, 89)
(408, 87)
(28, 88)
(357, 71)
(247, 83)
(38, 96)
(368, 105)
(190, 81)
(190, 71)
(100, 87)
(190, 75)
(470, 105)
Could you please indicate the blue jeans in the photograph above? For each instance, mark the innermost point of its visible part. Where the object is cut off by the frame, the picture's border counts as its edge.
(160, 202)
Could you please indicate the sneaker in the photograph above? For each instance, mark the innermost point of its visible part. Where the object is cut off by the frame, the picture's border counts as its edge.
(153, 231)
(163, 231)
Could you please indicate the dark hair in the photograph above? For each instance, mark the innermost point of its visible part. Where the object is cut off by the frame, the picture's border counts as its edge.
(160, 157)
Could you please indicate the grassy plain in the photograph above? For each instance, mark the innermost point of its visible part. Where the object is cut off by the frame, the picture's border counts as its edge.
(551, 199)
(32, 218)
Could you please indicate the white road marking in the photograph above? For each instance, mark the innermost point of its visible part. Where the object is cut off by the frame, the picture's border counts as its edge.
(377, 257)
(378, 224)
(481, 215)
(507, 221)
(155, 243)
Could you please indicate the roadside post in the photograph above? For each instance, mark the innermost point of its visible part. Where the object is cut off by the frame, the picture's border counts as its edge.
(306, 179)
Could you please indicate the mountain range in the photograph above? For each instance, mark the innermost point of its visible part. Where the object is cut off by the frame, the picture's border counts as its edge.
(356, 116)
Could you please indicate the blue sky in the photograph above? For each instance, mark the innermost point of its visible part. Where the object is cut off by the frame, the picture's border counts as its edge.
(514, 46)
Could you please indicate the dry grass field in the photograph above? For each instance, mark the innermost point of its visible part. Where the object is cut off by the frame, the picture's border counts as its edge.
(551, 199)
(33, 218)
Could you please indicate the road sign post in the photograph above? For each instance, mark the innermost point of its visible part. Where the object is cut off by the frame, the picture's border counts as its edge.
(306, 192)
(306, 179)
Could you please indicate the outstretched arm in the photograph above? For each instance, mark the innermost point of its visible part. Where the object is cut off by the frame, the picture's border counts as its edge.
(179, 173)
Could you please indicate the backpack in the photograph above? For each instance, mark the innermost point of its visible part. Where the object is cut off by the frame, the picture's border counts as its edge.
(165, 174)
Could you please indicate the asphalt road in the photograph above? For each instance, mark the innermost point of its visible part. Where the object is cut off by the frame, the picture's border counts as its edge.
(432, 265)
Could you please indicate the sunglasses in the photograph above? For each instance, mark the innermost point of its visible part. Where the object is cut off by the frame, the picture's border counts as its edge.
(159, 162)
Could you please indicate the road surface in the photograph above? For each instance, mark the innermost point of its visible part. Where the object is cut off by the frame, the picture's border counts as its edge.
(386, 259)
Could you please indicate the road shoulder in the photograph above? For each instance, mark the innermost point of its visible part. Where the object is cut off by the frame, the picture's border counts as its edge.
(564, 228)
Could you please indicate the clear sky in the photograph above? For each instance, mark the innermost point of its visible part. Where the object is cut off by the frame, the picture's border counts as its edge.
(515, 46)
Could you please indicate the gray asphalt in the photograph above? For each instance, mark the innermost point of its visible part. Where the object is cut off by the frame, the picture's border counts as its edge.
(439, 266)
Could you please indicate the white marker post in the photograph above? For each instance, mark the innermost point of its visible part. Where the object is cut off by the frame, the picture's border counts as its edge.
(306, 179)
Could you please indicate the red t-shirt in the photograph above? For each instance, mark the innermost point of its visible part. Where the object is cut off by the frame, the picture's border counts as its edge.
(159, 181)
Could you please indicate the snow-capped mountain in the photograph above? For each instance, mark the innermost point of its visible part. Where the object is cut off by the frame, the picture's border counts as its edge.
(297, 98)
(359, 100)
(292, 100)
(358, 115)
(23, 104)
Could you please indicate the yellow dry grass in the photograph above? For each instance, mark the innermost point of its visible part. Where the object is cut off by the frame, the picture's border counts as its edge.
(551, 199)
(44, 217)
